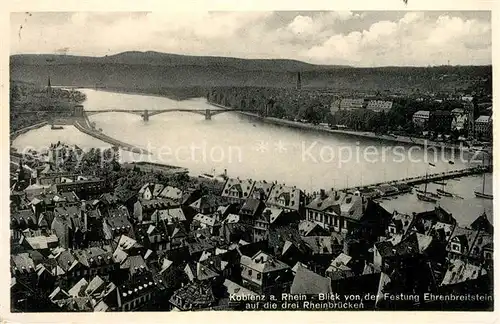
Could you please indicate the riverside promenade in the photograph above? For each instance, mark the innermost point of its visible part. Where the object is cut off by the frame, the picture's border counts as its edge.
(428, 178)
(84, 126)
(368, 135)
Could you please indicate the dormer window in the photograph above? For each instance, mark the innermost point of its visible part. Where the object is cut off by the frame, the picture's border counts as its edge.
(455, 247)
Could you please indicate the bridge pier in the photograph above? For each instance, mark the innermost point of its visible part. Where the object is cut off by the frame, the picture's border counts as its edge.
(145, 115)
(208, 114)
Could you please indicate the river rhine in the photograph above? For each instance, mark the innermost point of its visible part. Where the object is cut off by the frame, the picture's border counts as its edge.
(249, 148)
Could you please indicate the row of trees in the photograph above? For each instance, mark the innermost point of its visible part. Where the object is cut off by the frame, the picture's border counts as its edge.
(315, 107)
(311, 105)
(30, 104)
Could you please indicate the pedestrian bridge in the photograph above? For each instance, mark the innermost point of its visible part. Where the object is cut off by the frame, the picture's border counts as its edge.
(146, 114)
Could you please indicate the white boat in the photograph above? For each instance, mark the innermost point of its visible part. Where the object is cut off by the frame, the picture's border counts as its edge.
(211, 176)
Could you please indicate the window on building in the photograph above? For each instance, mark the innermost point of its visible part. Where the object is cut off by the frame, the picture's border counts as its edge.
(249, 272)
(259, 276)
(455, 247)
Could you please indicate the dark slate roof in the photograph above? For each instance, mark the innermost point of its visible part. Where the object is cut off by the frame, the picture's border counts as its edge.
(465, 236)
(482, 224)
(251, 206)
(24, 216)
(93, 256)
(309, 283)
(209, 201)
(197, 294)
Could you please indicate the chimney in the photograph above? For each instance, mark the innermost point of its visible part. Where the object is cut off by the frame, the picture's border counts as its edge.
(322, 194)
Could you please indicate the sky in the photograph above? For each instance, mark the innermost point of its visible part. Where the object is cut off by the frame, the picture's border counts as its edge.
(356, 38)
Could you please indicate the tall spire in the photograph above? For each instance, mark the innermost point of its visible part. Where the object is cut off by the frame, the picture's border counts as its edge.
(49, 88)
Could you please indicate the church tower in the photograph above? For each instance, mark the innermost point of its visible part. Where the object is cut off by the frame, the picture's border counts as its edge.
(49, 88)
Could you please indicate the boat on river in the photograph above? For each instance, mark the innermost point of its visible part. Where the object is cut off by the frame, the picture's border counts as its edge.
(426, 195)
(482, 193)
(443, 192)
(212, 176)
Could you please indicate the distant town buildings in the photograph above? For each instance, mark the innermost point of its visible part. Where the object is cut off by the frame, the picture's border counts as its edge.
(421, 118)
(459, 119)
(483, 127)
(349, 104)
(379, 105)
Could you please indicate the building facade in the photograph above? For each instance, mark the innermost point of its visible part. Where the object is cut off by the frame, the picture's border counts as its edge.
(421, 118)
(379, 105)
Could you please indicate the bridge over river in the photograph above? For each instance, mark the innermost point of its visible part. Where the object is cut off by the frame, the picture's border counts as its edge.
(146, 114)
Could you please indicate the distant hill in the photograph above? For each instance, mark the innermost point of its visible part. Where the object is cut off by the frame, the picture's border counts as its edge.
(152, 71)
(165, 59)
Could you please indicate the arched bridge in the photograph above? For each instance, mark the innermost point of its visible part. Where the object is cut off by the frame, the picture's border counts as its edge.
(146, 114)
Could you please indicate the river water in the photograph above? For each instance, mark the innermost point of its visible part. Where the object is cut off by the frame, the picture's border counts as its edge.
(249, 148)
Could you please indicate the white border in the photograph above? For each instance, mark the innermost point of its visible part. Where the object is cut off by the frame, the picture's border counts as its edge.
(230, 5)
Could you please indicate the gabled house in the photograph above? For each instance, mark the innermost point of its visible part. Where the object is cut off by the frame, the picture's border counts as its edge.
(68, 267)
(115, 227)
(341, 267)
(208, 204)
(70, 226)
(461, 242)
(460, 271)
(234, 230)
(441, 232)
(251, 209)
(144, 208)
(209, 222)
(96, 261)
(264, 274)
(200, 272)
(482, 223)
(321, 250)
(39, 240)
(22, 219)
(261, 190)
(307, 282)
(194, 296)
(287, 198)
(311, 228)
(172, 193)
(235, 291)
(388, 256)
(169, 216)
(339, 211)
(399, 224)
(481, 253)
(236, 190)
(135, 295)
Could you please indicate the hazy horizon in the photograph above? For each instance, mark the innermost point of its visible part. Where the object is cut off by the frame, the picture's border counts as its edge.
(243, 58)
(352, 38)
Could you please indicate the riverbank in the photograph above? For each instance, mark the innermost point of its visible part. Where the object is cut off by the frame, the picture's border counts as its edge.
(84, 127)
(368, 135)
(21, 131)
